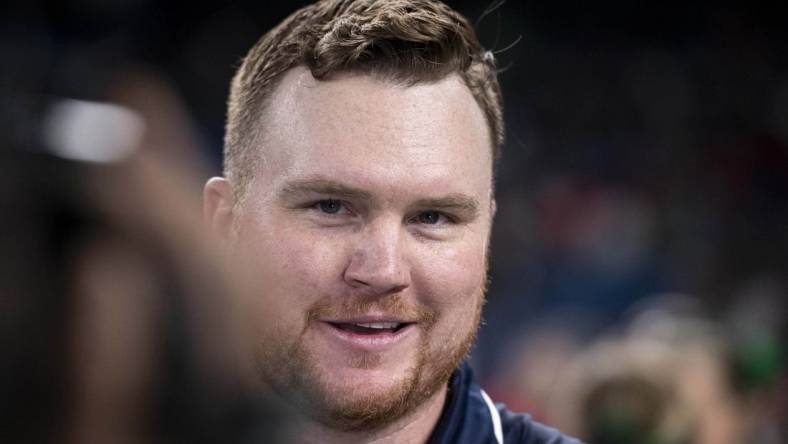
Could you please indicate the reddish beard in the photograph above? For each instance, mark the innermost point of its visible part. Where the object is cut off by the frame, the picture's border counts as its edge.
(290, 369)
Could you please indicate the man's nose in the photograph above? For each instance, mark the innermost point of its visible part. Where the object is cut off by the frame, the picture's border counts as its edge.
(377, 265)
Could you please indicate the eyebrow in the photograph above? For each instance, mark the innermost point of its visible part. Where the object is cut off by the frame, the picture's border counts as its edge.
(467, 206)
(321, 186)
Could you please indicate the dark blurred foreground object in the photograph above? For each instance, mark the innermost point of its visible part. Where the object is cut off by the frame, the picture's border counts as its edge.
(118, 324)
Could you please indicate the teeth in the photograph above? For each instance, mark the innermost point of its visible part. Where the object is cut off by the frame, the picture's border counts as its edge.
(380, 325)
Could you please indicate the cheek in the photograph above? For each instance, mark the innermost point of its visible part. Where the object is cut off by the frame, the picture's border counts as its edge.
(453, 277)
(291, 269)
(453, 288)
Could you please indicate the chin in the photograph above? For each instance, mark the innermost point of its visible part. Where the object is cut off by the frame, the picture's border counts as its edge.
(366, 399)
(365, 393)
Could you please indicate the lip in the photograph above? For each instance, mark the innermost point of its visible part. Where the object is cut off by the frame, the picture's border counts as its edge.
(377, 342)
(372, 317)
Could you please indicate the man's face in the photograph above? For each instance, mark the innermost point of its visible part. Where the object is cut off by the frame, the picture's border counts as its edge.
(366, 231)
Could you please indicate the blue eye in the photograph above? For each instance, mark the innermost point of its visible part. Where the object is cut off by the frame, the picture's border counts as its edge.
(429, 217)
(330, 206)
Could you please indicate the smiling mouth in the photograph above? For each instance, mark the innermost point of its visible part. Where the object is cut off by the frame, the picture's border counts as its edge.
(370, 328)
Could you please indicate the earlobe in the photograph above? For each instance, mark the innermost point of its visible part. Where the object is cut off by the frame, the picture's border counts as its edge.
(218, 207)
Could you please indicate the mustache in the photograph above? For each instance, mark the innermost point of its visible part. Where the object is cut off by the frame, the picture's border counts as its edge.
(394, 306)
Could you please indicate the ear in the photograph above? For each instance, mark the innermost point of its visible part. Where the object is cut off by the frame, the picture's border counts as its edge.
(217, 207)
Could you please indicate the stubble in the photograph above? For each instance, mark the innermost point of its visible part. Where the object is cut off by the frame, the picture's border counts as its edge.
(293, 373)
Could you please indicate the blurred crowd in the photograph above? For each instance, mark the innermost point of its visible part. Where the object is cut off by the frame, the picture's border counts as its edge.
(669, 374)
(638, 266)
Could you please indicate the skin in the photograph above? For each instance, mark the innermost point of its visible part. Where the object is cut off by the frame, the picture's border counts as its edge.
(372, 201)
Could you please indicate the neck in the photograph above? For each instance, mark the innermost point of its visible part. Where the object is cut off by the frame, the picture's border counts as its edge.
(413, 427)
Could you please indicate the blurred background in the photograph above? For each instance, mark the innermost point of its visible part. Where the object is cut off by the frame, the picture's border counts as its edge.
(639, 274)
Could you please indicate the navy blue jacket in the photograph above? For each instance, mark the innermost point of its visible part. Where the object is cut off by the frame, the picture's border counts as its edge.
(470, 417)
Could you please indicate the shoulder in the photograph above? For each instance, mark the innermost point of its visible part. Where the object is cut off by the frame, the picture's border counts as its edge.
(522, 429)
(470, 416)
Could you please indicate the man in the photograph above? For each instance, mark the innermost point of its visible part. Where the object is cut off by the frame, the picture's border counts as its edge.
(359, 153)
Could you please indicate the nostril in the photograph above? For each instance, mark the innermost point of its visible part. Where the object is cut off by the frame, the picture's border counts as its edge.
(359, 282)
(377, 285)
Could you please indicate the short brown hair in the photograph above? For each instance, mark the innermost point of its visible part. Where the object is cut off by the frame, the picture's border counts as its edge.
(407, 41)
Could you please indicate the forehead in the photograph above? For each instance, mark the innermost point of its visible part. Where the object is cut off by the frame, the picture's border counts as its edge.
(360, 128)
